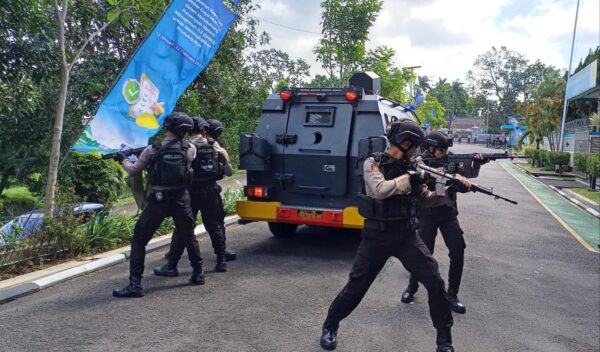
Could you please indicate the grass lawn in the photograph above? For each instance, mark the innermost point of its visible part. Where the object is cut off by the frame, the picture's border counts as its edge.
(594, 196)
(531, 168)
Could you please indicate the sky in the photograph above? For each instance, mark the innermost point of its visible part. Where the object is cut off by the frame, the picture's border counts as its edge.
(445, 37)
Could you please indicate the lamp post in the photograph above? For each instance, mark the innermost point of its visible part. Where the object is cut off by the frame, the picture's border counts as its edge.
(566, 102)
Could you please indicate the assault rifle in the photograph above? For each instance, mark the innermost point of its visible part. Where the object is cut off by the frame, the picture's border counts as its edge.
(127, 152)
(468, 158)
(464, 162)
(447, 178)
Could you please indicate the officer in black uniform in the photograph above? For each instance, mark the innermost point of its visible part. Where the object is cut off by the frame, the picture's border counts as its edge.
(392, 193)
(210, 164)
(441, 213)
(169, 165)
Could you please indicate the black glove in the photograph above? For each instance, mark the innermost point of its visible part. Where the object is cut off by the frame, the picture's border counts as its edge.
(120, 157)
(419, 176)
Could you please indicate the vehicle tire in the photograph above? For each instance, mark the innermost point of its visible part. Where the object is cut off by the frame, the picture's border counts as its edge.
(279, 229)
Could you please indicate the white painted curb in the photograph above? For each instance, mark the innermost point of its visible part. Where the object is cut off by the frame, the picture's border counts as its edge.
(577, 202)
(26, 288)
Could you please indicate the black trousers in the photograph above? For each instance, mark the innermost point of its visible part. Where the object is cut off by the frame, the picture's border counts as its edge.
(176, 204)
(453, 237)
(206, 199)
(375, 249)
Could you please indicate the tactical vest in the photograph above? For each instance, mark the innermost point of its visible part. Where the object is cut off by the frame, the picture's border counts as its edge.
(206, 165)
(394, 208)
(169, 166)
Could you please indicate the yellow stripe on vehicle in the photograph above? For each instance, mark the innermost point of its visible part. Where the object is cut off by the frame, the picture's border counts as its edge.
(257, 211)
(352, 219)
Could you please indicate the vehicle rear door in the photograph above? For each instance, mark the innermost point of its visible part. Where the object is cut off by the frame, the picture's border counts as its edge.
(316, 148)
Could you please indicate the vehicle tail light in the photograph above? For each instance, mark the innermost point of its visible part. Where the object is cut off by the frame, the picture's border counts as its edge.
(351, 94)
(285, 94)
(256, 191)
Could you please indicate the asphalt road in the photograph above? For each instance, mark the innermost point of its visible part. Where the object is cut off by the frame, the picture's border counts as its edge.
(528, 286)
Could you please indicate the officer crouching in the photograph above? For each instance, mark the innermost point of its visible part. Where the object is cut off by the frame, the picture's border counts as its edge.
(210, 164)
(389, 205)
(169, 164)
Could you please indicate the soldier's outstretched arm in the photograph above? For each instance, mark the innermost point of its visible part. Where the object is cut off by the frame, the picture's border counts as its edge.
(134, 168)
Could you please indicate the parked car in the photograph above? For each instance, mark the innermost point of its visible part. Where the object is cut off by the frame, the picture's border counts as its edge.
(29, 223)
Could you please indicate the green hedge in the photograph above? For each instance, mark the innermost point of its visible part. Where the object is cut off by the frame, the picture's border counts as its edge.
(545, 158)
(588, 163)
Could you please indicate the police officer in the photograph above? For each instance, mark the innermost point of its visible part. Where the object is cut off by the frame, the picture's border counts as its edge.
(441, 213)
(210, 164)
(389, 206)
(169, 165)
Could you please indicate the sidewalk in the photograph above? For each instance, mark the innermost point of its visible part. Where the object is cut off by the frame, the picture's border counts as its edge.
(580, 224)
(33, 282)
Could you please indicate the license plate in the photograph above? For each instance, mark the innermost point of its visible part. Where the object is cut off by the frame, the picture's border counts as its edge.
(313, 214)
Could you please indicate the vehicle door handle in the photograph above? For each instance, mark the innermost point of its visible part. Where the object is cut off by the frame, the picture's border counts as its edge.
(313, 188)
(316, 151)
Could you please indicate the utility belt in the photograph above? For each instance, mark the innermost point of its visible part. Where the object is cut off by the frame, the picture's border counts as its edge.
(395, 208)
(444, 210)
(410, 224)
(166, 195)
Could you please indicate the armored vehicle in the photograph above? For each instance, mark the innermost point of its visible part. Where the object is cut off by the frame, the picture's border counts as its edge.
(304, 161)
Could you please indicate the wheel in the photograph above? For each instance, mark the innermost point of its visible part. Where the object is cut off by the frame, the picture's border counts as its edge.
(279, 229)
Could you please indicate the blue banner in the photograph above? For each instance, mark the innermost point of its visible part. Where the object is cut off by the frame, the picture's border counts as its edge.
(178, 48)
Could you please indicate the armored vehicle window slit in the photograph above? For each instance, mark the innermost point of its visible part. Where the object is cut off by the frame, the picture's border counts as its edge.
(319, 116)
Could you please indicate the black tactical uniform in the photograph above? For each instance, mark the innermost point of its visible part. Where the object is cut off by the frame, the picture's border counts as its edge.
(441, 213)
(210, 164)
(169, 171)
(390, 209)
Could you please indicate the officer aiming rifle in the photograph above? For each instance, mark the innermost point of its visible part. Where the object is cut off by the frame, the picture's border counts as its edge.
(447, 179)
(124, 153)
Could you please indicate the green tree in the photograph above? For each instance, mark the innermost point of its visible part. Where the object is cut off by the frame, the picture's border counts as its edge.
(394, 80)
(275, 65)
(543, 113)
(345, 28)
(453, 97)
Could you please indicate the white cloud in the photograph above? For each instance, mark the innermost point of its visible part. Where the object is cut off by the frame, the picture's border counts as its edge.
(445, 36)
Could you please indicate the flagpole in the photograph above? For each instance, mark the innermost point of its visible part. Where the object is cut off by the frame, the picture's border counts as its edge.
(566, 101)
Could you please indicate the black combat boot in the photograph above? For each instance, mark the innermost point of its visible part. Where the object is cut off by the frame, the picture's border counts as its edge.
(456, 305)
(134, 289)
(197, 277)
(166, 270)
(444, 340)
(329, 338)
(408, 295)
(221, 265)
(230, 256)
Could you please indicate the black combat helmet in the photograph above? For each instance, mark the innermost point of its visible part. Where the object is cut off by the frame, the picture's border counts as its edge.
(179, 123)
(200, 124)
(438, 140)
(404, 130)
(215, 128)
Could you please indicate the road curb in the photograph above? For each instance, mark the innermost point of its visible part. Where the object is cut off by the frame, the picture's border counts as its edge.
(572, 200)
(23, 289)
(577, 202)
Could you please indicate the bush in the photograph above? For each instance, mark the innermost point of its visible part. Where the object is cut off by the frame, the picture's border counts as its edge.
(105, 232)
(580, 161)
(593, 165)
(94, 179)
(229, 200)
(15, 201)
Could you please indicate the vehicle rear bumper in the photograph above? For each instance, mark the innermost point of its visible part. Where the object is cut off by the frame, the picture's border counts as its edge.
(276, 212)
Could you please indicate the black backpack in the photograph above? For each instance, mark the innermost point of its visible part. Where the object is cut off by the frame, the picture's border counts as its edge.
(206, 164)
